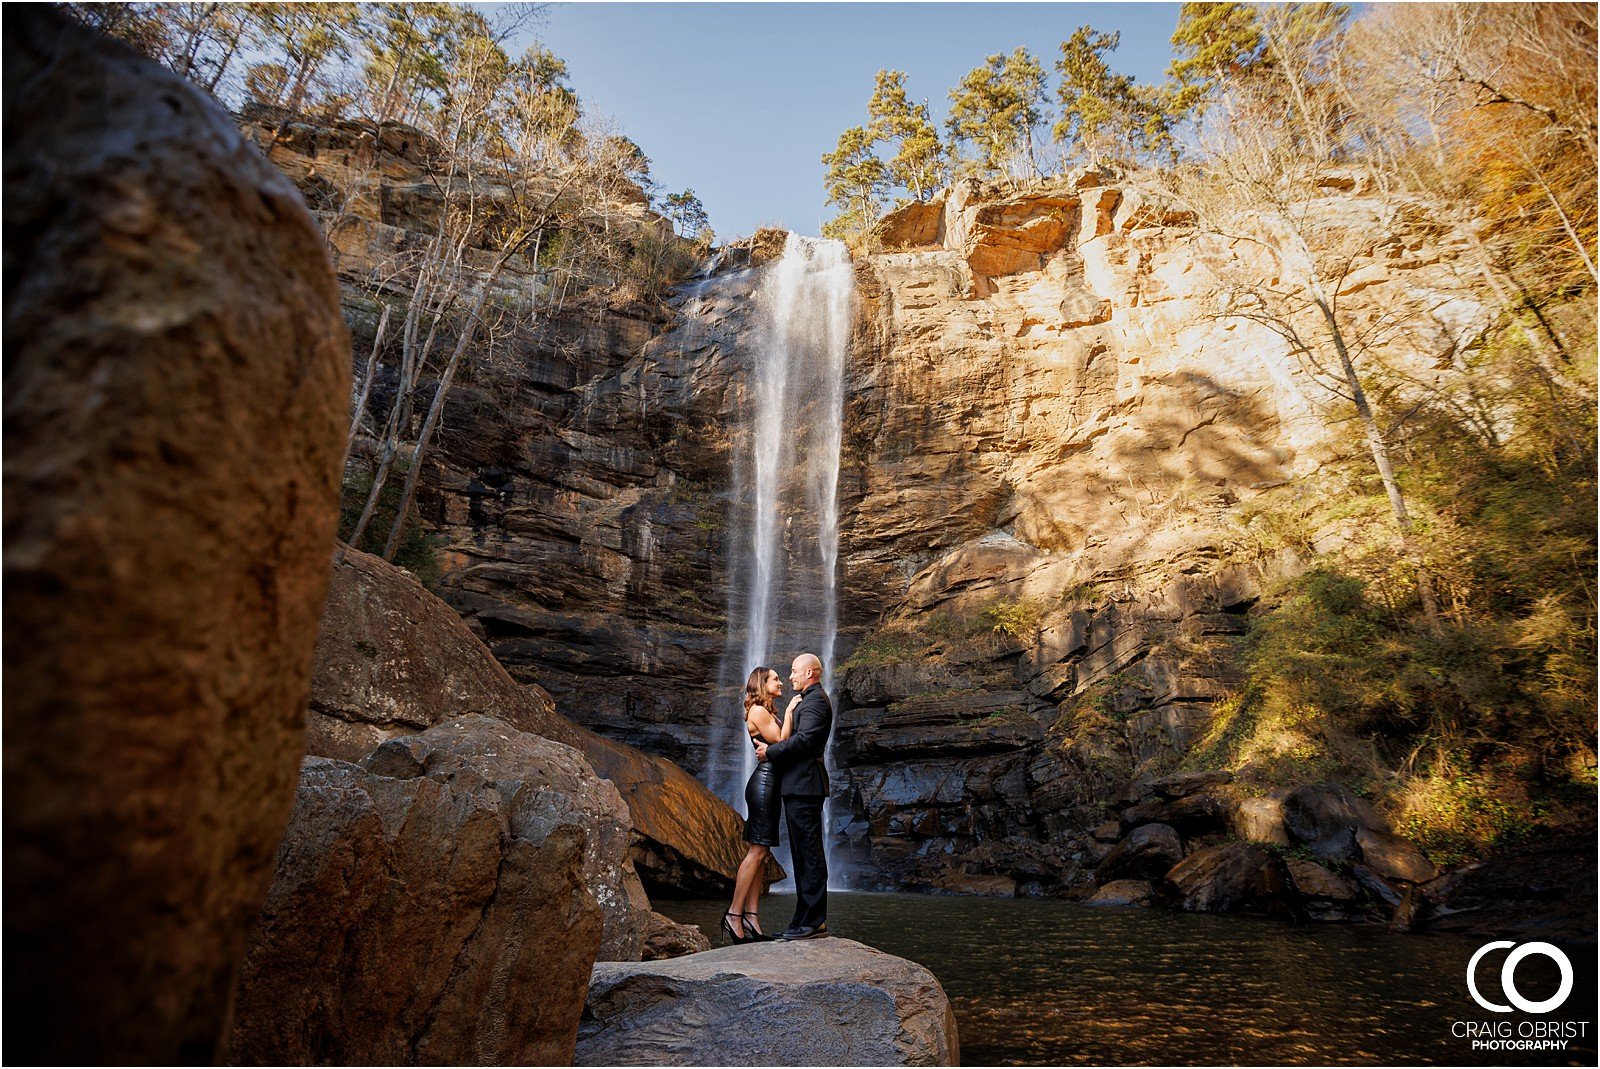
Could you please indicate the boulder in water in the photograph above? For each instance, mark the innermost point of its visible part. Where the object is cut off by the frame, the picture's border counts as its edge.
(1317, 881)
(1225, 878)
(1121, 893)
(1148, 851)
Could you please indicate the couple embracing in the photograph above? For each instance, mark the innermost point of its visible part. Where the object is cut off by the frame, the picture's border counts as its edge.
(789, 776)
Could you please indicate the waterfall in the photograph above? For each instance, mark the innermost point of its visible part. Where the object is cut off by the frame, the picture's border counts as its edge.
(783, 598)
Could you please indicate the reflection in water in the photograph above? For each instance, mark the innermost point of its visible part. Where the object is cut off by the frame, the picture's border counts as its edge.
(1044, 982)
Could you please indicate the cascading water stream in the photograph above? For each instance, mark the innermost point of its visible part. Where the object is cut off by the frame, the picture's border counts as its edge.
(783, 594)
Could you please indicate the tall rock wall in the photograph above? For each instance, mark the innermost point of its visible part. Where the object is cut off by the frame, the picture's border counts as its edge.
(580, 471)
(1050, 438)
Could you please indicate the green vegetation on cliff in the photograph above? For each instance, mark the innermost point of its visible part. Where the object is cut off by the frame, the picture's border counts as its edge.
(1474, 733)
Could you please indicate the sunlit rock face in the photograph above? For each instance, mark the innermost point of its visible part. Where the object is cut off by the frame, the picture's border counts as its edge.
(1050, 436)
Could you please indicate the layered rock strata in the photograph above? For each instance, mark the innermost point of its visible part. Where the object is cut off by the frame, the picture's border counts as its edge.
(176, 376)
(1051, 437)
(579, 472)
(1050, 440)
(816, 1002)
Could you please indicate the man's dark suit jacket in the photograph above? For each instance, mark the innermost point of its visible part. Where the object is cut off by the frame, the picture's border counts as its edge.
(798, 758)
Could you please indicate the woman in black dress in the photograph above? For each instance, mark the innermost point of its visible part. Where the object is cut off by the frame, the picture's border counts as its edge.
(762, 804)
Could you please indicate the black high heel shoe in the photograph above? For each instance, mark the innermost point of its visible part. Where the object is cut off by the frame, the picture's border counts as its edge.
(753, 935)
(733, 936)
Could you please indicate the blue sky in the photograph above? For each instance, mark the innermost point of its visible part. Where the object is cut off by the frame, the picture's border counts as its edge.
(740, 101)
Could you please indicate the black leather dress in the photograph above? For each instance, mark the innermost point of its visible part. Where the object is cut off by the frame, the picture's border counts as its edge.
(762, 803)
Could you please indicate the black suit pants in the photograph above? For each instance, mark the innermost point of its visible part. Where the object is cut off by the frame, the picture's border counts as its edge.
(804, 818)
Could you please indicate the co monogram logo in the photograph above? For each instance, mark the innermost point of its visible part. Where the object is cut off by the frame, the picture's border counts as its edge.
(1508, 976)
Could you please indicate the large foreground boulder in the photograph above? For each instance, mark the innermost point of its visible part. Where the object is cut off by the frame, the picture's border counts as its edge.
(176, 382)
(817, 1002)
(393, 660)
(440, 903)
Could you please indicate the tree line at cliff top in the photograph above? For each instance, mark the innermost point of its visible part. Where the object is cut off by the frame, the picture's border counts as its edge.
(1502, 86)
(441, 68)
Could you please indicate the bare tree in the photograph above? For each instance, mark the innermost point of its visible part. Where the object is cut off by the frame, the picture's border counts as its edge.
(1283, 244)
(1444, 111)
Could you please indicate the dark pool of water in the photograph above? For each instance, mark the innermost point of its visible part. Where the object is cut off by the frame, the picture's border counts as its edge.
(1044, 982)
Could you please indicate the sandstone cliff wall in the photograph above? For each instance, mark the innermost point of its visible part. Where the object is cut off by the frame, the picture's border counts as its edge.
(1052, 440)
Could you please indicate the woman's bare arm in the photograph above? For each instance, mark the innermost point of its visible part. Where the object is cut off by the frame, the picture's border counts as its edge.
(788, 724)
(765, 723)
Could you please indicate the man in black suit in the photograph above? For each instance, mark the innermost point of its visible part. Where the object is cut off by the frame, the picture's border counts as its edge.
(803, 783)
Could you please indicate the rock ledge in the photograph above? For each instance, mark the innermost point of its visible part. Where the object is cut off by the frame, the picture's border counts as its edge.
(820, 1002)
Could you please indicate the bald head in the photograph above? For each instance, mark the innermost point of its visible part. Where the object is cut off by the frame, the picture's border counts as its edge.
(806, 670)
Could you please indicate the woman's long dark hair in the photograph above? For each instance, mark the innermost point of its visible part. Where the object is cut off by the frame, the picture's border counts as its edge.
(755, 690)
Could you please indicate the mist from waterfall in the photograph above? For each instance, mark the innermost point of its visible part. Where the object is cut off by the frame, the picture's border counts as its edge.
(784, 550)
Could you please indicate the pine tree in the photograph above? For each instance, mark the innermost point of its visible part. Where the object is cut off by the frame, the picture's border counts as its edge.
(1103, 111)
(309, 37)
(919, 165)
(856, 182)
(997, 107)
(1212, 44)
(688, 216)
(1230, 45)
(1107, 113)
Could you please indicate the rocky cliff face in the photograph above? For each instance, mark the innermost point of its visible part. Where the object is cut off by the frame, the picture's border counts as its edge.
(1052, 438)
(578, 471)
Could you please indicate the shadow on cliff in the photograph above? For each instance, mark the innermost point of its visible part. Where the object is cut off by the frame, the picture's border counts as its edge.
(1191, 447)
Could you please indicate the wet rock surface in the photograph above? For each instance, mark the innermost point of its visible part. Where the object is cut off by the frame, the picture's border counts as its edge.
(816, 1002)
(176, 375)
